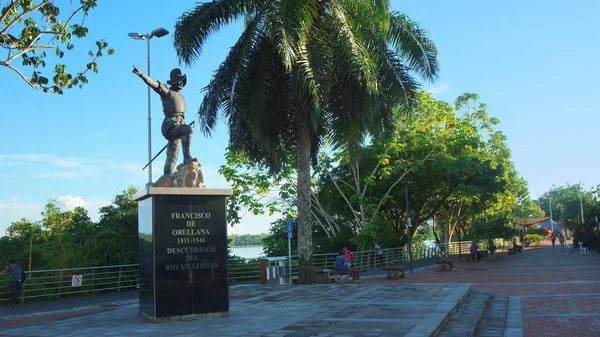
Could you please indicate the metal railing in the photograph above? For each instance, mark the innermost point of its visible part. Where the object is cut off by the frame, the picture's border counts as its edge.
(58, 283)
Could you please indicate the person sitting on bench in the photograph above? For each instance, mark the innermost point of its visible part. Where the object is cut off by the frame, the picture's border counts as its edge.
(340, 262)
(517, 247)
(444, 258)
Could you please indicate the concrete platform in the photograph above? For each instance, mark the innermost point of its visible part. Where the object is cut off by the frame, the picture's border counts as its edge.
(315, 310)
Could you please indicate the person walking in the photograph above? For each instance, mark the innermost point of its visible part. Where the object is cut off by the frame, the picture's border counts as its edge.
(553, 239)
(379, 253)
(473, 250)
(15, 272)
(561, 239)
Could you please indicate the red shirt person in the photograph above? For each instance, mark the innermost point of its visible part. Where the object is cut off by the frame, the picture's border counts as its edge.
(348, 256)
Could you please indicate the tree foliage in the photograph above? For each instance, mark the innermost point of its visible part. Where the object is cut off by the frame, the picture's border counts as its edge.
(246, 240)
(458, 164)
(303, 71)
(572, 206)
(70, 239)
(36, 34)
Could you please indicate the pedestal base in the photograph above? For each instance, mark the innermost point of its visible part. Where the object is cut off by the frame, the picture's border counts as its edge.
(193, 317)
(183, 254)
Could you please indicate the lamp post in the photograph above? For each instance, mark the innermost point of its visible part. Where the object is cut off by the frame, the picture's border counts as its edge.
(408, 226)
(551, 222)
(159, 32)
(595, 194)
(581, 204)
(459, 243)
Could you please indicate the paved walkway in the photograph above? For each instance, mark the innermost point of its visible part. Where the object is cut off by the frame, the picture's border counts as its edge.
(550, 293)
(298, 311)
(558, 291)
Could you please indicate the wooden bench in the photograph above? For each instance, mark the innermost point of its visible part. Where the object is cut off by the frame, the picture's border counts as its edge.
(353, 273)
(511, 250)
(395, 273)
(444, 265)
(482, 253)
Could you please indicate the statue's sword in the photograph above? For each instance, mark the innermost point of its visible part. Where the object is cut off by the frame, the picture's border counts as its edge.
(161, 151)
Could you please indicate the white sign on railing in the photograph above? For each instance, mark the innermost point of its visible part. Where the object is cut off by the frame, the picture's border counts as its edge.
(76, 281)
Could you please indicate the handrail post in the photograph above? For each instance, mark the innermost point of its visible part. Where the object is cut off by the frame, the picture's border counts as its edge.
(60, 282)
(119, 281)
(93, 282)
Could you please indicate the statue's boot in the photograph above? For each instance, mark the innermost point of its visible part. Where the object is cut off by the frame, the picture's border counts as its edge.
(172, 153)
(186, 141)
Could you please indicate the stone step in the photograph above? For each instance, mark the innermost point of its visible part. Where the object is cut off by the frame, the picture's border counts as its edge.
(463, 322)
(493, 322)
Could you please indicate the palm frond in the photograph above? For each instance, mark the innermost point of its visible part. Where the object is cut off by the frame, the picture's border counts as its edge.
(355, 56)
(373, 15)
(413, 43)
(194, 27)
(219, 92)
(290, 22)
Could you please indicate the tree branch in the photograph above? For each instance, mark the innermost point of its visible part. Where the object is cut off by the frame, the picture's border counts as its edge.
(25, 78)
(13, 3)
(20, 16)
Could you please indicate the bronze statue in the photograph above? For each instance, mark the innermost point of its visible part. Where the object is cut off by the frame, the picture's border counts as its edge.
(174, 128)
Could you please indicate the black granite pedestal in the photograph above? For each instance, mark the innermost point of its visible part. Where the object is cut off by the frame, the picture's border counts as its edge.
(183, 253)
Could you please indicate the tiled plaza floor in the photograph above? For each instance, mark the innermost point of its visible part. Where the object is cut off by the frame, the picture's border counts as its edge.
(300, 311)
(559, 291)
(550, 293)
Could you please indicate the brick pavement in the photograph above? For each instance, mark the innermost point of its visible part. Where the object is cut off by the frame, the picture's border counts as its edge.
(559, 292)
(550, 293)
(297, 311)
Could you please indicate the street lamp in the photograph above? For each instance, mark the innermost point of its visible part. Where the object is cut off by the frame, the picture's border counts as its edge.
(159, 32)
(551, 222)
(595, 194)
(408, 225)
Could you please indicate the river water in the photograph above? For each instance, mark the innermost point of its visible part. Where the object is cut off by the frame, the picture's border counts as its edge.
(249, 252)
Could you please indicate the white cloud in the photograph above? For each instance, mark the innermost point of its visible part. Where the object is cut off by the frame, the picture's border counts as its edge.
(11, 212)
(91, 205)
(67, 162)
(72, 202)
(441, 88)
(56, 167)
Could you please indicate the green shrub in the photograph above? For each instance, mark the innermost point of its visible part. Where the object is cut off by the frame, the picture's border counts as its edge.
(534, 238)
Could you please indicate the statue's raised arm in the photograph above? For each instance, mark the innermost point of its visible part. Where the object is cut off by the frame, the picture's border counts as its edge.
(160, 88)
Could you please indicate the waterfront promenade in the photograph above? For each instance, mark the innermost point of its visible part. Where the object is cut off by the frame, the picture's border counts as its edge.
(541, 292)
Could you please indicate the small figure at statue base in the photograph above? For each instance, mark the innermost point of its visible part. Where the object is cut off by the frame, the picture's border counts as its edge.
(187, 175)
(175, 131)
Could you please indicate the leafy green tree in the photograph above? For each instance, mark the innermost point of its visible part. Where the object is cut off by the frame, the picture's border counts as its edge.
(303, 70)
(117, 241)
(22, 243)
(31, 31)
(574, 209)
(528, 209)
(246, 240)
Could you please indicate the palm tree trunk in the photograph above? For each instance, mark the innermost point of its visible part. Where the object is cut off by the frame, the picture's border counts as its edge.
(303, 192)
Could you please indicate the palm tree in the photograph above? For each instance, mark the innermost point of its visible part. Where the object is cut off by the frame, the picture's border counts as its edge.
(303, 71)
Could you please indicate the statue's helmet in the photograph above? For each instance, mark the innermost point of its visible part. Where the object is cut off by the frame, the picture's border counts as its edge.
(177, 77)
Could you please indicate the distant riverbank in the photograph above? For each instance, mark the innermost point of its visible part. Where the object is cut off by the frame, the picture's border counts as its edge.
(248, 252)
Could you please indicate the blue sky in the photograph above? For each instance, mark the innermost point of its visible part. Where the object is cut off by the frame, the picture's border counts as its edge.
(534, 63)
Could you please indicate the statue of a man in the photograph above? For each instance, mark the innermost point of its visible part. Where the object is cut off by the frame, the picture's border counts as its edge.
(174, 128)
